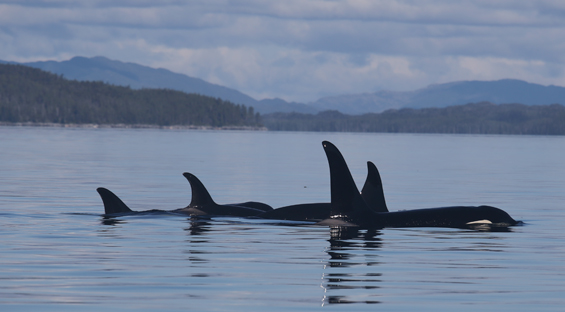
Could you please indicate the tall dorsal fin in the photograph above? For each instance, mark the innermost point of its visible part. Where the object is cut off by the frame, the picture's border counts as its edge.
(200, 196)
(347, 203)
(112, 203)
(372, 191)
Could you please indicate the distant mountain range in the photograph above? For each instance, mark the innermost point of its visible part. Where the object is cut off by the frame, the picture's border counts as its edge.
(137, 77)
(439, 95)
(442, 95)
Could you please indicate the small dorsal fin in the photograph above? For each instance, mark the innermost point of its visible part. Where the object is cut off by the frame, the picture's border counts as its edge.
(200, 196)
(112, 203)
(372, 191)
(347, 203)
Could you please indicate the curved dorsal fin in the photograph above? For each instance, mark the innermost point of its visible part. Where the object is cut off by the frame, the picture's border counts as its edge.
(112, 203)
(372, 191)
(200, 196)
(347, 202)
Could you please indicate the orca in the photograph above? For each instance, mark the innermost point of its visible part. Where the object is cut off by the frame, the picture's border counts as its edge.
(201, 204)
(348, 207)
(372, 193)
(113, 205)
(300, 212)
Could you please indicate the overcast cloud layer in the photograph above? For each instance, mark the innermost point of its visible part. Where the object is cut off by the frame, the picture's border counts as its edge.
(300, 50)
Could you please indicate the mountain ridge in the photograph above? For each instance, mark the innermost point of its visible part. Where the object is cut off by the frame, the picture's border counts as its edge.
(137, 76)
(447, 94)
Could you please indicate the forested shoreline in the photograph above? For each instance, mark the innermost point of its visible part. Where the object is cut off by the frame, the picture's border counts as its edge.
(29, 95)
(473, 118)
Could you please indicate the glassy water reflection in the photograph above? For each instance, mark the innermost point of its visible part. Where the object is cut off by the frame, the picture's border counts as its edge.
(59, 254)
(350, 247)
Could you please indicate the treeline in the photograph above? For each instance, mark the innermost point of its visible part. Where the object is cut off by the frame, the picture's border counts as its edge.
(32, 95)
(29, 95)
(475, 118)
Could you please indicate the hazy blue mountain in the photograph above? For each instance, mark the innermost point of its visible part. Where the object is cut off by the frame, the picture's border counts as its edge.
(137, 76)
(438, 95)
(442, 95)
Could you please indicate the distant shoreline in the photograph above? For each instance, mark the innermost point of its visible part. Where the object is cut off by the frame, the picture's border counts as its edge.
(127, 126)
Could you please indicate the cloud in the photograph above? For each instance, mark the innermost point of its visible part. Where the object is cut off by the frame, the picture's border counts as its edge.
(300, 49)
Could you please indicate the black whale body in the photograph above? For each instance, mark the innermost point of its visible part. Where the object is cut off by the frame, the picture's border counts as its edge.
(372, 193)
(348, 207)
(201, 204)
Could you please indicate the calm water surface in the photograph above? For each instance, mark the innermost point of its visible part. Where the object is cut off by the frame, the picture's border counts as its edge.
(59, 254)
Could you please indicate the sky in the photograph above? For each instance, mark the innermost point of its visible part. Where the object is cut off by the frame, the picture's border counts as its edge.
(300, 50)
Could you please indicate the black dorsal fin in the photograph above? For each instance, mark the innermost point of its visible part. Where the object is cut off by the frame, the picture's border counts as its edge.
(372, 191)
(347, 203)
(112, 203)
(200, 196)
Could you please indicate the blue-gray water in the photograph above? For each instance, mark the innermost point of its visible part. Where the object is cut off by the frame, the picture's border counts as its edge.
(57, 253)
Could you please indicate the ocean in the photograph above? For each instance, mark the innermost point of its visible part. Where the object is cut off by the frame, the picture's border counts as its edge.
(58, 253)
